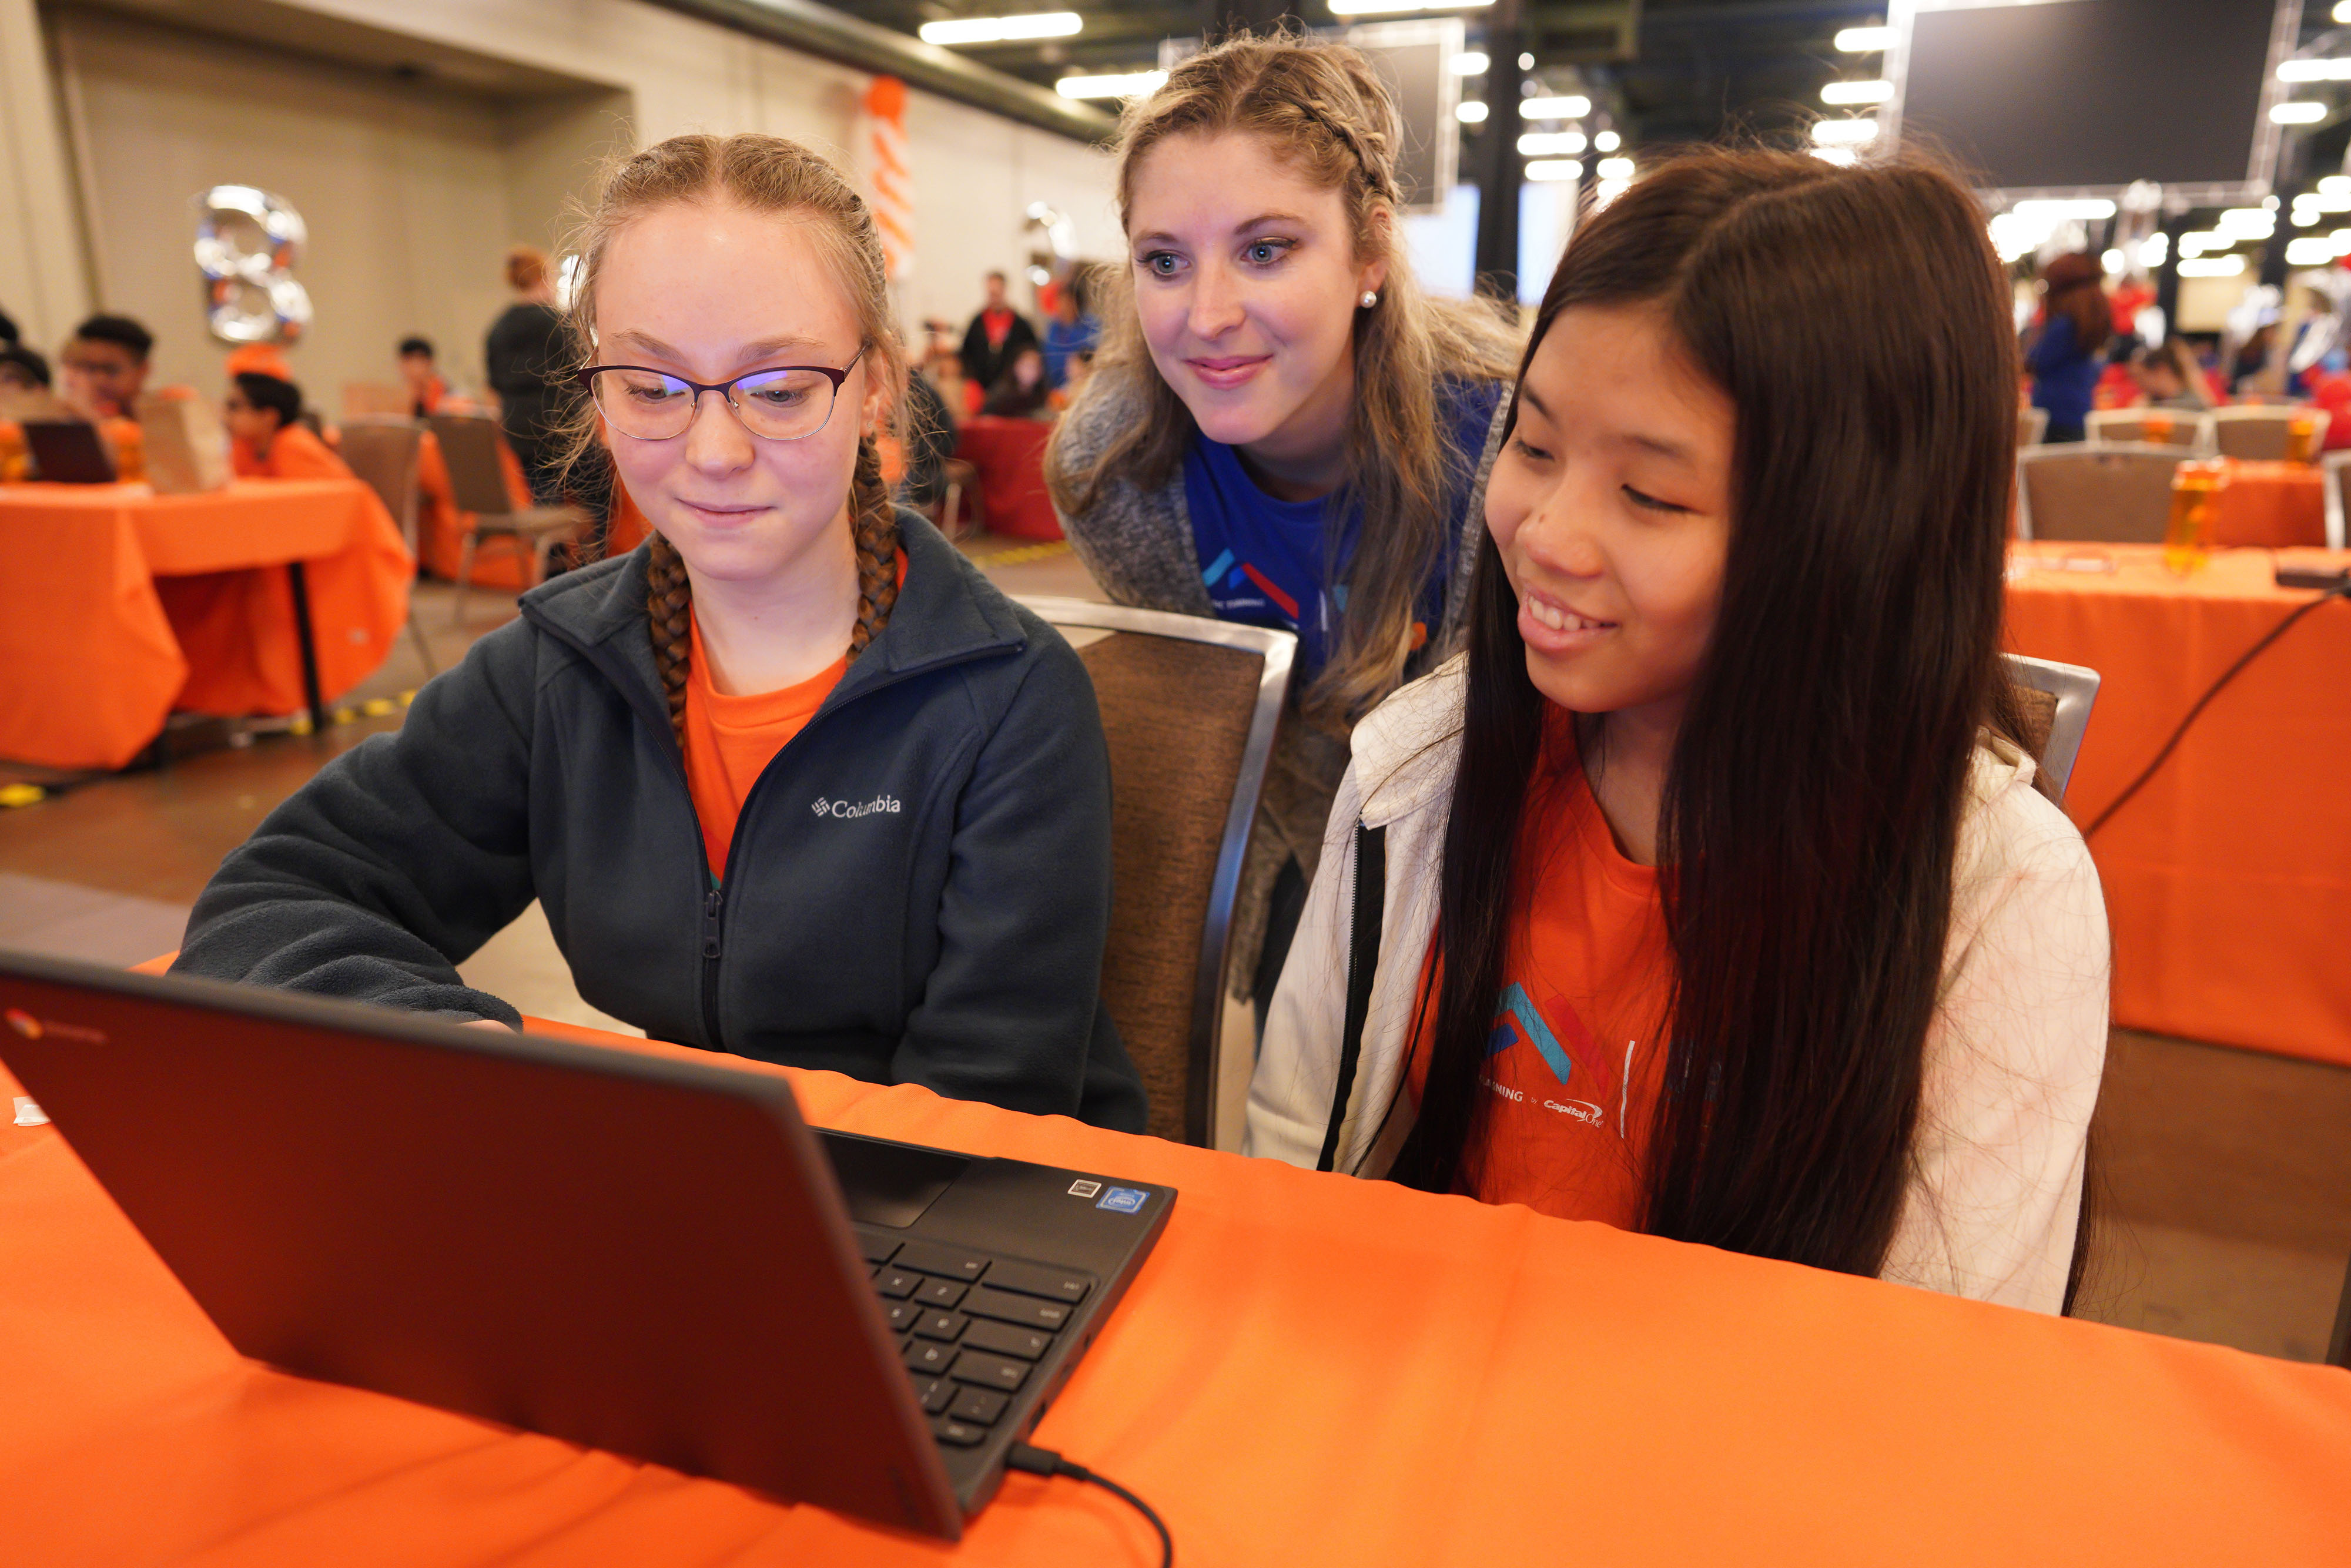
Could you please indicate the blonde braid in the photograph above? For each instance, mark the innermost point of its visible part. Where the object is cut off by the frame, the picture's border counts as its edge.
(875, 522)
(669, 607)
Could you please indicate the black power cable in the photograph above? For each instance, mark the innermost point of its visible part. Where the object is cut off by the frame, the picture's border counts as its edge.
(2339, 591)
(1046, 1462)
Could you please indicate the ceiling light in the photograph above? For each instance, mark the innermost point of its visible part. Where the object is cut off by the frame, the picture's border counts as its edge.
(1843, 157)
(2325, 201)
(2314, 70)
(2067, 207)
(2213, 266)
(2315, 251)
(2151, 249)
(1551, 143)
(1555, 169)
(1470, 111)
(1608, 142)
(1857, 92)
(2336, 184)
(1614, 168)
(1382, 7)
(1573, 107)
(1526, 62)
(1608, 190)
(1470, 63)
(2299, 114)
(1864, 40)
(2343, 11)
(1134, 84)
(1002, 29)
(1844, 132)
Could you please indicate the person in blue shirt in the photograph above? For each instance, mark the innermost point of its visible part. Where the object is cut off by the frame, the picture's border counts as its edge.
(1072, 328)
(1281, 429)
(2068, 357)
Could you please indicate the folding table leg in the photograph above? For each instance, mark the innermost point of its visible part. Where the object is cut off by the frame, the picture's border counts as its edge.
(309, 642)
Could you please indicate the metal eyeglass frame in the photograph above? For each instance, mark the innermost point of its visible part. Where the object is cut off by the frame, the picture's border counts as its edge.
(586, 376)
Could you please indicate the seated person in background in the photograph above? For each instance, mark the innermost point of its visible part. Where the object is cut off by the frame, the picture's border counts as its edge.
(24, 378)
(425, 387)
(1021, 391)
(2170, 377)
(930, 440)
(22, 370)
(266, 437)
(1721, 903)
(1071, 330)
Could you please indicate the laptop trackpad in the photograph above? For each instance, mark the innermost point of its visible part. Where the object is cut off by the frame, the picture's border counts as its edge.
(888, 1183)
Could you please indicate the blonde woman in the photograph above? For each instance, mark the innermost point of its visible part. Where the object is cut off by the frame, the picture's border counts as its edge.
(790, 779)
(1283, 429)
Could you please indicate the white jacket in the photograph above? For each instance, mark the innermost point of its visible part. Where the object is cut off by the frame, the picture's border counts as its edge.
(2013, 1056)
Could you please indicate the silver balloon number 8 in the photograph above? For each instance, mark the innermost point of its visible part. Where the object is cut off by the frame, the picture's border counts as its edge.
(247, 244)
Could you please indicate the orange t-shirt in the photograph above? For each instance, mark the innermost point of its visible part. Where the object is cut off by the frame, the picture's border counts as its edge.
(294, 454)
(1577, 1050)
(729, 741)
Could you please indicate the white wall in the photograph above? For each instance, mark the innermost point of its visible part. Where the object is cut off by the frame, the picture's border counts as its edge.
(43, 281)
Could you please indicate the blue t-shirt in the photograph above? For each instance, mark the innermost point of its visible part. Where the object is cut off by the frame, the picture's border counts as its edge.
(1266, 562)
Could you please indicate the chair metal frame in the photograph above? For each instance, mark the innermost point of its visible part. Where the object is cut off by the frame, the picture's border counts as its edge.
(2035, 419)
(2173, 454)
(2331, 468)
(2338, 1348)
(2076, 687)
(405, 515)
(2272, 413)
(1278, 651)
(2206, 444)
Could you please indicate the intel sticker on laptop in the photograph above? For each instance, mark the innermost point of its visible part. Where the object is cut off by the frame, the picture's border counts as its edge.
(1124, 1199)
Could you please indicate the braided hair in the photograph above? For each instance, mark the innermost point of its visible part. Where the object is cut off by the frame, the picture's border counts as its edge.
(762, 174)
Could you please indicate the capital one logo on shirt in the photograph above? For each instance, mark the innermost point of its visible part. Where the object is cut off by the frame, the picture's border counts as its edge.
(1517, 1022)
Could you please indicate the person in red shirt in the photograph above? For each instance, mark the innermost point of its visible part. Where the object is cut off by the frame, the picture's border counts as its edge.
(994, 338)
(266, 437)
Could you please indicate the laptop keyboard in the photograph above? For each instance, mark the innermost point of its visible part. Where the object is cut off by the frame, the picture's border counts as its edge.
(971, 1327)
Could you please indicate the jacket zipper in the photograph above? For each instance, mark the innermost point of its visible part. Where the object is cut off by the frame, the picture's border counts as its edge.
(714, 905)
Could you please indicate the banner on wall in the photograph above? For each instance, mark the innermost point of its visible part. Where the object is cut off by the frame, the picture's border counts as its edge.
(890, 187)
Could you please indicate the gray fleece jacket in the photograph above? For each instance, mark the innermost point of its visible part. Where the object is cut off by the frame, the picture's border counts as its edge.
(1138, 545)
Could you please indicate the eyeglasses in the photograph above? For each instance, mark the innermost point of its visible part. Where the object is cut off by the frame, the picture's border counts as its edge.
(789, 402)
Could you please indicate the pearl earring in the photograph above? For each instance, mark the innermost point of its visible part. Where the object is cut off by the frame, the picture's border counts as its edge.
(1370, 299)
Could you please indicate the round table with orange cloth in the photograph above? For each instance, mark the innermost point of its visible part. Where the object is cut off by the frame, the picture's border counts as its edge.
(2227, 878)
(1310, 1371)
(1010, 456)
(119, 605)
(2271, 505)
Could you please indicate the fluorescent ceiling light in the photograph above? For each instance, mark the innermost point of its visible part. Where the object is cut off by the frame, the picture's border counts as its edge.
(2067, 207)
(2111, 260)
(1864, 40)
(1134, 84)
(2343, 11)
(2314, 70)
(1470, 111)
(1575, 106)
(1551, 143)
(2315, 251)
(1857, 92)
(1382, 7)
(2305, 113)
(1844, 132)
(2336, 184)
(1614, 168)
(2213, 266)
(1555, 169)
(1002, 29)
(1470, 63)
(1843, 157)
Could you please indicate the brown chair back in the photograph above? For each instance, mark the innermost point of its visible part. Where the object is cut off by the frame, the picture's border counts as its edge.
(1188, 706)
(470, 444)
(382, 453)
(2108, 494)
(2262, 432)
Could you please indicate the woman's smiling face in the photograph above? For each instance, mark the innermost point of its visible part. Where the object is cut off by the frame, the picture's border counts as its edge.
(1248, 285)
(708, 291)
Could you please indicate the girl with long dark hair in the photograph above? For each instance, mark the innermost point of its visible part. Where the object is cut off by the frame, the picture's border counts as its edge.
(1714, 897)
(2068, 355)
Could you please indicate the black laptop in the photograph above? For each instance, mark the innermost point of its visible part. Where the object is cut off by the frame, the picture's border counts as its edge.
(641, 1254)
(68, 452)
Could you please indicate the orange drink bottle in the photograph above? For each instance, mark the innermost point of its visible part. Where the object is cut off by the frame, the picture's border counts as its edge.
(2188, 538)
(2301, 438)
(2157, 429)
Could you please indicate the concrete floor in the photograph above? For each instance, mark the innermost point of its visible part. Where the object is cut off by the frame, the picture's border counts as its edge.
(2224, 1200)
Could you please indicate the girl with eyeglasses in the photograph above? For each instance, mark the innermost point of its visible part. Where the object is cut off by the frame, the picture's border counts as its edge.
(791, 779)
(1281, 429)
(1710, 893)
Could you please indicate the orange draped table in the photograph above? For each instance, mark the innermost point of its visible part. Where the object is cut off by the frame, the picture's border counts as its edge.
(119, 605)
(1309, 1370)
(2273, 505)
(2227, 878)
(1010, 456)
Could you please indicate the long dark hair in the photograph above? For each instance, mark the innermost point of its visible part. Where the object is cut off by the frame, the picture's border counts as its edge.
(2074, 292)
(1812, 802)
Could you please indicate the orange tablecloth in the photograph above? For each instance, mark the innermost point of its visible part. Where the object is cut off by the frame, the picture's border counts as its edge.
(1309, 1370)
(2272, 504)
(2227, 878)
(118, 606)
(1010, 456)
